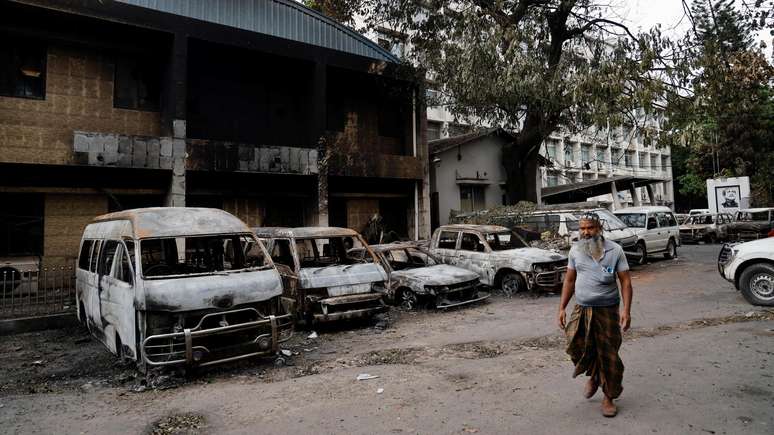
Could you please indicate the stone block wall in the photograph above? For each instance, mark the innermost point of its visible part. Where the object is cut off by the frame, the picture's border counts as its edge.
(65, 217)
(79, 96)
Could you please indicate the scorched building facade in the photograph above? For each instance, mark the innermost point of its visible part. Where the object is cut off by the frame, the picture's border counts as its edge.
(263, 108)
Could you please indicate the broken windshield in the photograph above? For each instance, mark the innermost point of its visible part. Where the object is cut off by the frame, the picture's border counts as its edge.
(328, 251)
(505, 240)
(179, 256)
(409, 258)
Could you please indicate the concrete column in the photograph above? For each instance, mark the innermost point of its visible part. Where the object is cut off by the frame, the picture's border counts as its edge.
(616, 200)
(173, 117)
(635, 197)
(652, 197)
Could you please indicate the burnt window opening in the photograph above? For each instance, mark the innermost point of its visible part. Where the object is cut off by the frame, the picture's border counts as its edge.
(83, 258)
(180, 256)
(22, 68)
(21, 225)
(137, 84)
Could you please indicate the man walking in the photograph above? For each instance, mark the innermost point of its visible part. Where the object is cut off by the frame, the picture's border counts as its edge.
(594, 330)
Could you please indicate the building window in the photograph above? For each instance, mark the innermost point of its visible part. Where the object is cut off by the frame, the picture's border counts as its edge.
(643, 160)
(568, 157)
(393, 44)
(472, 197)
(629, 159)
(585, 153)
(552, 179)
(664, 163)
(616, 157)
(22, 68)
(137, 84)
(551, 149)
(21, 225)
(601, 160)
(434, 130)
(654, 163)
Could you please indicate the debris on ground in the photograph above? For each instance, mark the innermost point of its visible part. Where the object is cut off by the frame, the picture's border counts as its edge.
(365, 377)
(286, 352)
(313, 335)
(38, 362)
(179, 424)
(379, 390)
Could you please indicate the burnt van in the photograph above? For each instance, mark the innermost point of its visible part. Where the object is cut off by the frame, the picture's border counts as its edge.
(179, 286)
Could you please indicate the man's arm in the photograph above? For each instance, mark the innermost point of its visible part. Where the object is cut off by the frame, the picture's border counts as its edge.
(568, 289)
(626, 294)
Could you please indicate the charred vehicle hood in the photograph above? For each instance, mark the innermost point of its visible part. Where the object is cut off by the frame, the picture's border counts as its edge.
(524, 258)
(341, 276)
(211, 291)
(441, 274)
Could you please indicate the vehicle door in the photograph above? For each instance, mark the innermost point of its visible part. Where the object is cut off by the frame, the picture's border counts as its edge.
(116, 294)
(673, 229)
(663, 231)
(474, 255)
(446, 246)
(90, 285)
(650, 235)
(283, 255)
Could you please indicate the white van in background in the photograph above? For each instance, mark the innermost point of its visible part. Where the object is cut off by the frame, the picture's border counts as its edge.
(656, 229)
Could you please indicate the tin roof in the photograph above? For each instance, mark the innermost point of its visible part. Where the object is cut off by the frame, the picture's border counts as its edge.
(286, 19)
(304, 232)
(177, 221)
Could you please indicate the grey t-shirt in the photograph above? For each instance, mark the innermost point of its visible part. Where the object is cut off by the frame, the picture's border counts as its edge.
(595, 285)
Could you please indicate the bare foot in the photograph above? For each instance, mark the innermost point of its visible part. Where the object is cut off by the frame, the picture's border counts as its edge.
(591, 388)
(608, 407)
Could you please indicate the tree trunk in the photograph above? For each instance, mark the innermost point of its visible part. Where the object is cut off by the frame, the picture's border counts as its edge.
(520, 159)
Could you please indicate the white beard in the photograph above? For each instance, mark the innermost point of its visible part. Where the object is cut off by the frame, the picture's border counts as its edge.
(594, 246)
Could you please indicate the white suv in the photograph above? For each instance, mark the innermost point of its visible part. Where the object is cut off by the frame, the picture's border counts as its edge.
(656, 229)
(750, 266)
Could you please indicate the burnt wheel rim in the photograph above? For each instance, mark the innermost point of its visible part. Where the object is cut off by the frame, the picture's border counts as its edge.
(408, 300)
(510, 285)
(762, 286)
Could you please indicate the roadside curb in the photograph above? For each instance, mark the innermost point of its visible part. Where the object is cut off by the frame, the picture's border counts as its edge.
(39, 323)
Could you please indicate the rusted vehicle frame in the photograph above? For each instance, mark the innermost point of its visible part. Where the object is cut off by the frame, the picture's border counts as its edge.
(308, 294)
(447, 286)
(199, 317)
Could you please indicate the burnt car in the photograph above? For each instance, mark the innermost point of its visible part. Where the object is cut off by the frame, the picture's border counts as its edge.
(321, 282)
(708, 228)
(500, 257)
(751, 224)
(419, 278)
(179, 286)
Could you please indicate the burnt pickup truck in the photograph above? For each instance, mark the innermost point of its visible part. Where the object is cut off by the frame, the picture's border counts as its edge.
(500, 257)
(751, 224)
(321, 282)
(419, 278)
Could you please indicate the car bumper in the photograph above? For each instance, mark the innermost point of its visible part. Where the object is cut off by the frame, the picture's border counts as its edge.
(444, 301)
(547, 280)
(349, 307)
(201, 346)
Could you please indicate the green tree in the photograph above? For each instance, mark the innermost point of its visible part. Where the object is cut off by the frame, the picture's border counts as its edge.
(724, 117)
(531, 66)
(343, 11)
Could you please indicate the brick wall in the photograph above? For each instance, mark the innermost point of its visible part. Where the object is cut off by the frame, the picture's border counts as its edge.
(65, 217)
(79, 96)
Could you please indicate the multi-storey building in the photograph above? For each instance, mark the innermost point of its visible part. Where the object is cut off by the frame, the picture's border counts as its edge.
(261, 107)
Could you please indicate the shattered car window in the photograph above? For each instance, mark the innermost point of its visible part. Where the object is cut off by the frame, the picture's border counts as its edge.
(635, 220)
(200, 255)
(505, 240)
(327, 251)
(409, 258)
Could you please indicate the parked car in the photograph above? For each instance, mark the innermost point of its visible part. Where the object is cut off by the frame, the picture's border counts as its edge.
(656, 229)
(169, 286)
(417, 277)
(562, 223)
(612, 228)
(500, 257)
(709, 228)
(751, 224)
(694, 211)
(322, 283)
(750, 266)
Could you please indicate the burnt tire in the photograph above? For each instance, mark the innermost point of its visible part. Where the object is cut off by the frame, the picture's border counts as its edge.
(408, 300)
(642, 253)
(512, 283)
(671, 250)
(757, 284)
